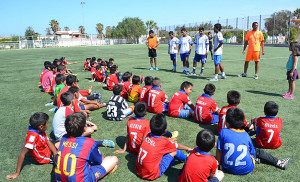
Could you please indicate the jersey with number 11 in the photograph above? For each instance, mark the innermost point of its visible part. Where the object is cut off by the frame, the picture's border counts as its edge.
(156, 100)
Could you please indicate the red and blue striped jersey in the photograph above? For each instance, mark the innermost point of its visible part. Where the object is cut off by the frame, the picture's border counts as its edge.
(75, 157)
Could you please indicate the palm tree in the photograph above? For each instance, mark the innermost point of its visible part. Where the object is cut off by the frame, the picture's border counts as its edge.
(81, 29)
(151, 25)
(297, 13)
(99, 28)
(54, 26)
(48, 30)
(66, 28)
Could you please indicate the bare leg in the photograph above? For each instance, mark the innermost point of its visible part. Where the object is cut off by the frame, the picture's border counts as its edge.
(195, 64)
(57, 144)
(217, 69)
(151, 62)
(109, 163)
(187, 62)
(256, 67)
(155, 62)
(221, 67)
(292, 86)
(246, 66)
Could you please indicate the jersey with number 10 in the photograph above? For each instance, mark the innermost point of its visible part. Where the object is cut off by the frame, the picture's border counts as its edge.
(268, 132)
(137, 128)
(152, 150)
(75, 157)
(156, 100)
(238, 151)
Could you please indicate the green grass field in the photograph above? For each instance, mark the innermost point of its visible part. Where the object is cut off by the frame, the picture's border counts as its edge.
(21, 97)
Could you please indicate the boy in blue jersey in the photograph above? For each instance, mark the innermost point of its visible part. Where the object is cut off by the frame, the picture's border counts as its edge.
(235, 150)
(185, 47)
(79, 158)
(201, 50)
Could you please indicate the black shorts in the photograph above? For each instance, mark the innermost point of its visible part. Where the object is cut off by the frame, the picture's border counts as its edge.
(210, 47)
(152, 53)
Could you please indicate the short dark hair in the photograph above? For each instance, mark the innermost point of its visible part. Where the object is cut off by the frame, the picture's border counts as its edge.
(55, 61)
(271, 108)
(156, 82)
(254, 23)
(205, 140)
(71, 79)
(295, 46)
(60, 78)
(111, 59)
(140, 109)
(60, 67)
(171, 33)
(148, 80)
(209, 33)
(218, 26)
(233, 97)
(47, 64)
(88, 59)
(158, 124)
(117, 89)
(66, 98)
(62, 58)
(73, 89)
(151, 31)
(183, 29)
(201, 28)
(98, 67)
(185, 85)
(126, 76)
(235, 117)
(93, 58)
(103, 63)
(136, 79)
(209, 89)
(37, 119)
(53, 66)
(75, 124)
(113, 69)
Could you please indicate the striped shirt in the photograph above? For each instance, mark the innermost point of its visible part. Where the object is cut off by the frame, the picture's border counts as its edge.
(115, 107)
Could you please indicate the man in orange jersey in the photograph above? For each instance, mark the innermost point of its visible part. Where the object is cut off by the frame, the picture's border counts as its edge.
(152, 44)
(255, 39)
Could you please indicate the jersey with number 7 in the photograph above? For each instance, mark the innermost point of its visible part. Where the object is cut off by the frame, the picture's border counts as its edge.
(137, 128)
(268, 132)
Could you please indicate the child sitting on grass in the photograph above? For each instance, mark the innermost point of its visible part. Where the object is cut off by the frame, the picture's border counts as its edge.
(60, 83)
(112, 79)
(87, 163)
(157, 99)
(99, 74)
(146, 89)
(180, 105)
(156, 152)
(117, 107)
(93, 71)
(235, 150)
(206, 110)
(86, 65)
(135, 90)
(126, 83)
(47, 81)
(268, 128)
(201, 165)
(37, 143)
(45, 70)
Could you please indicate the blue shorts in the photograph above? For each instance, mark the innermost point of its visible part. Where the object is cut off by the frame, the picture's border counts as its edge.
(184, 56)
(166, 162)
(215, 118)
(215, 179)
(82, 107)
(199, 57)
(173, 57)
(217, 59)
(97, 172)
(184, 113)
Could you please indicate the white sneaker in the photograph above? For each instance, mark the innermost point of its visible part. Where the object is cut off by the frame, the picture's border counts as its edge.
(201, 74)
(214, 80)
(193, 73)
(243, 75)
(223, 77)
(255, 77)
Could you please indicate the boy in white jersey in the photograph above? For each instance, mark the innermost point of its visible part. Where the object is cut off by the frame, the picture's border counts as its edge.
(173, 49)
(185, 47)
(218, 51)
(201, 50)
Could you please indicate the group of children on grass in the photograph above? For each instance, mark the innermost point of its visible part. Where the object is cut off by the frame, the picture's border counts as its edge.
(77, 157)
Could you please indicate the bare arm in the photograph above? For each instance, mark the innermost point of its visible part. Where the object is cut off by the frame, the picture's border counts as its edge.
(245, 46)
(192, 106)
(219, 155)
(169, 49)
(179, 46)
(120, 151)
(294, 66)
(182, 147)
(262, 47)
(19, 164)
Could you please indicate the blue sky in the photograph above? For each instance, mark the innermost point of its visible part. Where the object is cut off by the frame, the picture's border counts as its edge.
(17, 15)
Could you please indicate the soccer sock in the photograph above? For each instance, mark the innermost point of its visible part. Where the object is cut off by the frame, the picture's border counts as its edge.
(216, 76)
(100, 143)
(184, 68)
(168, 134)
(191, 111)
(174, 65)
(223, 73)
(202, 69)
(180, 156)
(188, 69)
(194, 69)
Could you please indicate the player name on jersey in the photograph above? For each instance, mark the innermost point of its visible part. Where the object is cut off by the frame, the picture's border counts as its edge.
(68, 144)
(271, 125)
(201, 102)
(135, 126)
(151, 142)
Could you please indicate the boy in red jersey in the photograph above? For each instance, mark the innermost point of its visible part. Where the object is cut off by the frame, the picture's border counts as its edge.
(99, 74)
(126, 83)
(112, 79)
(268, 128)
(201, 165)
(233, 100)
(88, 164)
(45, 70)
(86, 65)
(206, 110)
(146, 89)
(157, 99)
(37, 143)
(156, 152)
(93, 71)
(180, 105)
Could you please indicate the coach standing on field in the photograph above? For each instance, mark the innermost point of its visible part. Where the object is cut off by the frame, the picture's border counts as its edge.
(254, 38)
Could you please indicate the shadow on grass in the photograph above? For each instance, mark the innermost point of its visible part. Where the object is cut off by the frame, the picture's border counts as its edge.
(120, 140)
(172, 173)
(131, 158)
(263, 93)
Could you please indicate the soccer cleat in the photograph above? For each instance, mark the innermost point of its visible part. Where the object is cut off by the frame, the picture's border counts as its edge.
(113, 170)
(99, 97)
(283, 163)
(288, 96)
(53, 109)
(175, 134)
(156, 68)
(174, 70)
(92, 81)
(255, 76)
(151, 69)
(89, 119)
(201, 74)
(49, 104)
(223, 77)
(108, 143)
(184, 72)
(214, 80)
(193, 73)
(187, 73)
(243, 75)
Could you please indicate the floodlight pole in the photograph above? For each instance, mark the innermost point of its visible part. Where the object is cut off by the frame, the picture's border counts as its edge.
(82, 5)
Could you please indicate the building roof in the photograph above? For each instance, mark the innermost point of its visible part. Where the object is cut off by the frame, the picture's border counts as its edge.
(67, 33)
